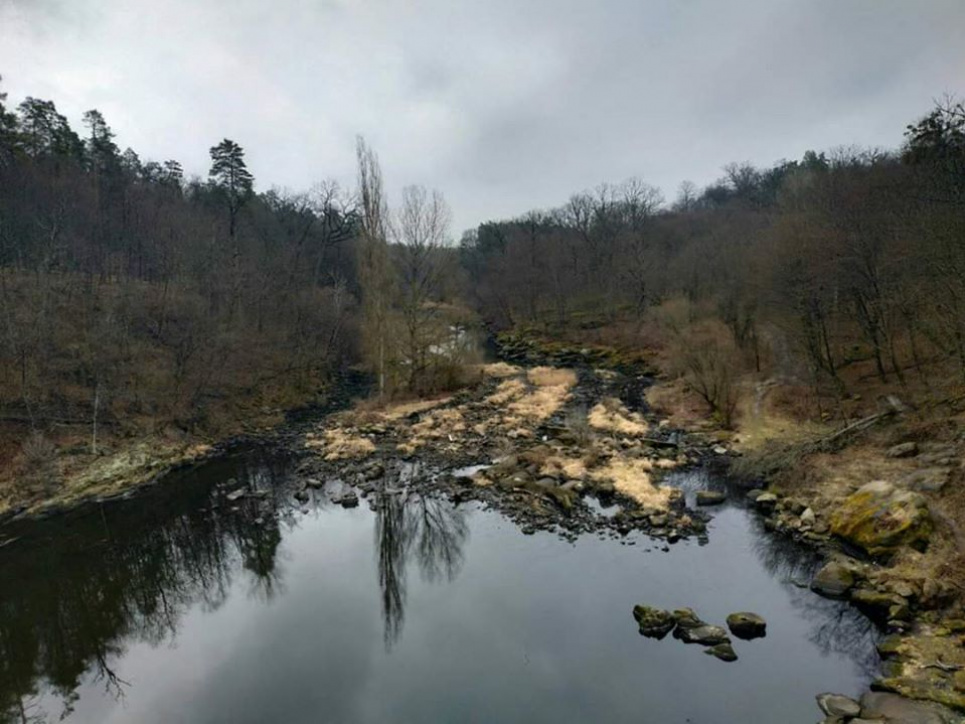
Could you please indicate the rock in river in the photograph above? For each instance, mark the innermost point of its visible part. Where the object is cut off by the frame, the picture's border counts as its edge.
(654, 623)
(710, 497)
(724, 652)
(838, 705)
(834, 580)
(880, 519)
(691, 630)
(347, 500)
(746, 625)
(894, 709)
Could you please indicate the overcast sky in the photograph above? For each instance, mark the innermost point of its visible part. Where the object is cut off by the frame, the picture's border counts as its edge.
(504, 105)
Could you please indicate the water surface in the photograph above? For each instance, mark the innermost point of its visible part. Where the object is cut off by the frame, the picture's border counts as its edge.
(174, 607)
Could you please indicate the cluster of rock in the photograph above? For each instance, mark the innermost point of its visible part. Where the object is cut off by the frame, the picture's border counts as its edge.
(791, 516)
(688, 627)
(525, 350)
(890, 601)
(924, 658)
(934, 463)
(883, 708)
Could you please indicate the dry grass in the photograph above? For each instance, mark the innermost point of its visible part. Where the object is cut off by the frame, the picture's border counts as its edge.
(508, 390)
(611, 416)
(675, 402)
(340, 444)
(551, 377)
(499, 370)
(537, 406)
(440, 425)
(631, 477)
(565, 467)
(550, 393)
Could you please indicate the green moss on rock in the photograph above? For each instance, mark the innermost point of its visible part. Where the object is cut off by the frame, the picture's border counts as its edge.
(881, 519)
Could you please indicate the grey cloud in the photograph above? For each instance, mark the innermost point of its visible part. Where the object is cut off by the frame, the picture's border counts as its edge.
(504, 105)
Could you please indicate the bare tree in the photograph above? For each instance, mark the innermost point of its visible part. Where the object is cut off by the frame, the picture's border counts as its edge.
(373, 259)
(421, 232)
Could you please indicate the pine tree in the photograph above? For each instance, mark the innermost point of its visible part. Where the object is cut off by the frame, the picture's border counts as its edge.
(103, 154)
(8, 131)
(231, 178)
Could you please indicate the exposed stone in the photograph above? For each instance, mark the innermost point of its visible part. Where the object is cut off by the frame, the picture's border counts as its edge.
(795, 506)
(654, 623)
(705, 635)
(723, 651)
(904, 450)
(746, 625)
(766, 501)
(808, 518)
(710, 497)
(348, 500)
(896, 709)
(932, 480)
(838, 705)
(878, 605)
(880, 519)
(692, 630)
(753, 495)
(834, 580)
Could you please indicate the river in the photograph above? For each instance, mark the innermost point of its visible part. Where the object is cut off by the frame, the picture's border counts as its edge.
(175, 606)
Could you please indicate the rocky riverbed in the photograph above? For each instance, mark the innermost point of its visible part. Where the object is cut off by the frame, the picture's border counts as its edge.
(544, 445)
(549, 445)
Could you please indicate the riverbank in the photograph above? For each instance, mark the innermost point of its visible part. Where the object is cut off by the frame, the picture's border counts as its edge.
(72, 475)
(879, 498)
(560, 434)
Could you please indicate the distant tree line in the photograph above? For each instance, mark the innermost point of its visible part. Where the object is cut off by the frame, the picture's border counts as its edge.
(844, 258)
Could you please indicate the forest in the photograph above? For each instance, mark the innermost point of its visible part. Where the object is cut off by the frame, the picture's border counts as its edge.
(138, 302)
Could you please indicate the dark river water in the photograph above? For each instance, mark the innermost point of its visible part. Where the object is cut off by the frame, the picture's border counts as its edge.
(164, 609)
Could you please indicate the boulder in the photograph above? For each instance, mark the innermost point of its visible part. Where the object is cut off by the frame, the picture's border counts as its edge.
(654, 623)
(881, 519)
(895, 709)
(880, 606)
(724, 652)
(838, 705)
(808, 518)
(930, 480)
(904, 450)
(705, 635)
(753, 495)
(834, 580)
(692, 630)
(747, 626)
(710, 497)
(348, 500)
(766, 501)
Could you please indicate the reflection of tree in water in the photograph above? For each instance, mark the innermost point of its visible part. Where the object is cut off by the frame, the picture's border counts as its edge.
(837, 627)
(430, 530)
(77, 592)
